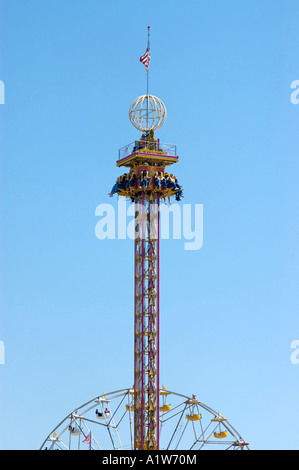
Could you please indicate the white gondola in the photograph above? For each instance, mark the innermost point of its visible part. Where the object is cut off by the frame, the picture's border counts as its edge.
(75, 431)
(103, 415)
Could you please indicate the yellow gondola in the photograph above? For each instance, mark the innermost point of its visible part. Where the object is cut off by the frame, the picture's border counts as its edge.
(220, 435)
(165, 408)
(195, 417)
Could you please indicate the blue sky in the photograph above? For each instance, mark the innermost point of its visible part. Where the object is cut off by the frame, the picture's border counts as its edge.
(229, 311)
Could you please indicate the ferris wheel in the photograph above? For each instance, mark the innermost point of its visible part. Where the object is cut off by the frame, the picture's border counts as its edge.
(106, 422)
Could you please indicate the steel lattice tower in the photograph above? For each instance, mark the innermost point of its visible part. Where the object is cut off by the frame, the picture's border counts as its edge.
(146, 184)
(146, 375)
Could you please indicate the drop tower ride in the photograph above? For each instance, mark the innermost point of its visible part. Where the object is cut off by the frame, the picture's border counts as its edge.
(147, 182)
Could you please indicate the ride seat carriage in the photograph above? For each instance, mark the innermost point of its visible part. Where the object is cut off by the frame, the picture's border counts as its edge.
(103, 414)
(75, 430)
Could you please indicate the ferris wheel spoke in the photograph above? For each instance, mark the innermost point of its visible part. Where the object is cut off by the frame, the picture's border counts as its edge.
(131, 428)
(181, 413)
(201, 443)
(179, 437)
(112, 440)
(171, 413)
(64, 446)
(114, 414)
(202, 438)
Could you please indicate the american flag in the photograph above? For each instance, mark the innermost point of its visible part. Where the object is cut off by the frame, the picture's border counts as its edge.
(145, 59)
(88, 441)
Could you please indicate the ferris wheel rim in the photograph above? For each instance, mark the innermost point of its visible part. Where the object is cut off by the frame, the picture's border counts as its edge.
(127, 391)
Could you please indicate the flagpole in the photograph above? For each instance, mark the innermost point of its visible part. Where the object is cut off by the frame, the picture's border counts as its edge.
(147, 84)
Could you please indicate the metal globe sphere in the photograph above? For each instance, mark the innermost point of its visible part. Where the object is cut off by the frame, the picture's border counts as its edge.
(147, 113)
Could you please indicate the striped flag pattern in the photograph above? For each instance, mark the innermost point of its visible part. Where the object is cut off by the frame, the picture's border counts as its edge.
(145, 59)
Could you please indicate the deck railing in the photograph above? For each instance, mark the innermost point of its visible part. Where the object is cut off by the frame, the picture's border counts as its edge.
(146, 146)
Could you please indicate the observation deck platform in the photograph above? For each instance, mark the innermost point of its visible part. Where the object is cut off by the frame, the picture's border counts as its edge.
(150, 152)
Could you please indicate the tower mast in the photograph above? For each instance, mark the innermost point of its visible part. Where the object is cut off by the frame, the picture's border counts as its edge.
(146, 184)
(147, 74)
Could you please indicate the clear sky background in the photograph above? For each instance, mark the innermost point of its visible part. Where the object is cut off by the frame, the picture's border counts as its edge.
(229, 311)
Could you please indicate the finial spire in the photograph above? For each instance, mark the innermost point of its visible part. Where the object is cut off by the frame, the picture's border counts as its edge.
(145, 59)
